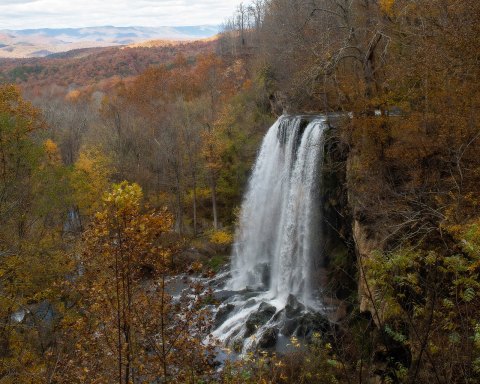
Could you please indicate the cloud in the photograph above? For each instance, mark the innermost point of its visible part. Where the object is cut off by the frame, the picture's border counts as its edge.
(10, 2)
(25, 14)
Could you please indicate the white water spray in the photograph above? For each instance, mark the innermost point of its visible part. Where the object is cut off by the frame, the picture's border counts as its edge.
(277, 241)
(277, 246)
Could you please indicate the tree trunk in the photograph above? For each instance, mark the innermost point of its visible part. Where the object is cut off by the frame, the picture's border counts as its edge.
(214, 203)
(179, 205)
(162, 331)
(194, 204)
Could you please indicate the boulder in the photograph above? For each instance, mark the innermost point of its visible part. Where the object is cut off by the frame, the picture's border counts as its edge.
(309, 323)
(289, 327)
(223, 295)
(222, 314)
(293, 307)
(260, 317)
(268, 338)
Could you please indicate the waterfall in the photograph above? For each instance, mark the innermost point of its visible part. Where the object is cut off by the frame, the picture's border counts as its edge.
(278, 245)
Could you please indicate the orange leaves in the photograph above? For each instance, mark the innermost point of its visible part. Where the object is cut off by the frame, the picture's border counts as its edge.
(180, 80)
(150, 85)
(73, 96)
(207, 64)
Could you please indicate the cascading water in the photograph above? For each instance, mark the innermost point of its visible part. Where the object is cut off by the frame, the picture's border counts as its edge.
(277, 246)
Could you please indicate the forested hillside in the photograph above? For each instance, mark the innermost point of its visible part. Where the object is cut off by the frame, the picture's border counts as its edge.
(122, 173)
(93, 68)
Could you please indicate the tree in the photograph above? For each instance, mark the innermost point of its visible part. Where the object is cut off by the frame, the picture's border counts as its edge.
(189, 125)
(128, 325)
(209, 71)
(33, 201)
(89, 180)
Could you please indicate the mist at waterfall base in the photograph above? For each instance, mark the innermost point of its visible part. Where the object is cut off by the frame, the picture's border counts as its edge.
(274, 291)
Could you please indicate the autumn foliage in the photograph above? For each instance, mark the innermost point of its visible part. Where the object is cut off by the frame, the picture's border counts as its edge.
(89, 261)
(129, 328)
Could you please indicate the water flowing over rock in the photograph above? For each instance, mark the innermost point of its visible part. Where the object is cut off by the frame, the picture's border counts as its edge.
(278, 245)
(279, 223)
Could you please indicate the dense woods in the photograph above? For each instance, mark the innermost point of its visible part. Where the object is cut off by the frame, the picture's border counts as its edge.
(122, 169)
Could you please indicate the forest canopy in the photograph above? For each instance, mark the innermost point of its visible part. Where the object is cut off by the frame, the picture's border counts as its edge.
(123, 169)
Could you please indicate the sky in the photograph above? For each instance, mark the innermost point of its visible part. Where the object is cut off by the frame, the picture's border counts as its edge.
(32, 14)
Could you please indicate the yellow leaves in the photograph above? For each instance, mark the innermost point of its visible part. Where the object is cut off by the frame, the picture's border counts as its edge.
(30, 282)
(92, 161)
(52, 152)
(90, 178)
(125, 260)
(212, 150)
(125, 197)
(468, 235)
(295, 342)
(13, 105)
(120, 228)
(20, 153)
(50, 147)
(196, 266)
(221, 237)
(100, 216)
(387, 6)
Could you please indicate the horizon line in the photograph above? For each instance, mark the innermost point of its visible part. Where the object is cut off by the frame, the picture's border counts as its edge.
(114, 26)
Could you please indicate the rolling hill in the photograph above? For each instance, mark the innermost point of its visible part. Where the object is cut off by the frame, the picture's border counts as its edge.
(96, 68)
(31, 43)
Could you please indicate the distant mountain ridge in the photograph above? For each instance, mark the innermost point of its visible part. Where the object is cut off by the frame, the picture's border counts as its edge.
(42, 42)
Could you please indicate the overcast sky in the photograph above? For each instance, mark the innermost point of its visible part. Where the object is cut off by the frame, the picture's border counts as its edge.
(24, 14)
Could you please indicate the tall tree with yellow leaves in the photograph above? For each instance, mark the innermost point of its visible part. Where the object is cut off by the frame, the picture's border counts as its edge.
(129, 329)
(89, 180)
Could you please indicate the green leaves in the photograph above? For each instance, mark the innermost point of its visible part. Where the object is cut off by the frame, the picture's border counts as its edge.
(395, 335)
(468, 295)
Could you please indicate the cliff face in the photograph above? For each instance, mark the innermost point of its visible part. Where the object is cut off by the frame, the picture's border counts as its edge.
(365, 245)
(367, 239)
(337, 221)
(351, 237)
